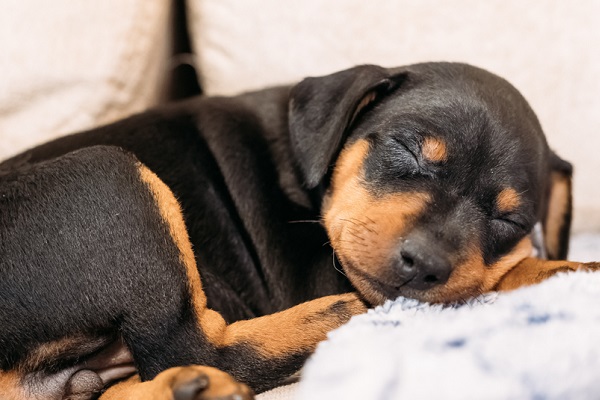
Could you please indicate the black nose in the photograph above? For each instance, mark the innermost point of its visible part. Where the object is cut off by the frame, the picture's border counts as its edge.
(423, 265)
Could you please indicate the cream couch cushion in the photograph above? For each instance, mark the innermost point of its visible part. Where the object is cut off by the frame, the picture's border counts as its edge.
(547, 49)
(70, 65)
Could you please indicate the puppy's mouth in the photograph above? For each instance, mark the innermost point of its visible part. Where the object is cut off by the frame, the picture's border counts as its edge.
(376, 290)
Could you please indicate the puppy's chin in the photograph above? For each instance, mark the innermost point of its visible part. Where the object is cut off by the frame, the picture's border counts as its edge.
(377, 293)
(370, 290)
(441, 295)
(376, 290)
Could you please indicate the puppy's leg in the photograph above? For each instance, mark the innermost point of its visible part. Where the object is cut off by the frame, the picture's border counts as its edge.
(532, 270)
(260, 351)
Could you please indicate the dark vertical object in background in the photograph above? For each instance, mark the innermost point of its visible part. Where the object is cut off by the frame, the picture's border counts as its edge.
(183, 80)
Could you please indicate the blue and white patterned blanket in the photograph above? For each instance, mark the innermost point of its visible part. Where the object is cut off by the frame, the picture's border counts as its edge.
(539, 342)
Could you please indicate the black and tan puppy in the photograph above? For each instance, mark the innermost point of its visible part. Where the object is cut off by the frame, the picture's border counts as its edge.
(188, 237)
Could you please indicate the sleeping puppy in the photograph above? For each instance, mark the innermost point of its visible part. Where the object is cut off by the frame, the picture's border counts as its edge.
(183, 251)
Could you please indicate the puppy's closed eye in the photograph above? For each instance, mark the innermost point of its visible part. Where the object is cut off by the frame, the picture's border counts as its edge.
(513, 219)
(403, 149)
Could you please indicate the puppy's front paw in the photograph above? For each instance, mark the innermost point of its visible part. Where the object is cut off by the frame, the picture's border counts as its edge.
(206, 383)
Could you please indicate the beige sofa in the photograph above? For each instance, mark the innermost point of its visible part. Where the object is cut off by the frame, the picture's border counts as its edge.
(69, 65)
(66, 65)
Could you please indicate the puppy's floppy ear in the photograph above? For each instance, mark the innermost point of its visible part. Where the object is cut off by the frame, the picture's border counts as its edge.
(557, 219)
(321, 109)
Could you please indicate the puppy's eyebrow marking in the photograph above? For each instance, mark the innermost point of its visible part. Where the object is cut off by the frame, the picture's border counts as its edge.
(508, 200)
(434, 149)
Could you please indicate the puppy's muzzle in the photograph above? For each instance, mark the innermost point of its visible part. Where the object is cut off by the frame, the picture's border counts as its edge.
(422, 264)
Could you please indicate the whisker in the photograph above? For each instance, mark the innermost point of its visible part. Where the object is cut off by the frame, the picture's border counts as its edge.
(310, 221)
(353, 244)
(359, 223)
(349, 220)
(479, 294)
(353, 228)
(370, 220)
(365, 225)
(334, 266)
(356, 236)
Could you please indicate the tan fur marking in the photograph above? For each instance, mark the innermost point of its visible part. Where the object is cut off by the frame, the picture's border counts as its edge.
(211, 322)
(366, 100)
(434, 150)
(532, 270)
(364, 229)
(508, 200)
(221, 385)
(558, 206)
(10, 386)
(50, 350)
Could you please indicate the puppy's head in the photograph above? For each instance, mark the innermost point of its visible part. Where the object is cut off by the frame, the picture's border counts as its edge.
(435, 176)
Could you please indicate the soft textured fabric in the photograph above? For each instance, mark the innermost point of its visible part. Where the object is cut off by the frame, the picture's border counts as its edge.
(70, 65)
(540, 342)
(547, 49)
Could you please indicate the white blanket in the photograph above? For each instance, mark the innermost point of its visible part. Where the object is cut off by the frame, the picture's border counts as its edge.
(540, 342)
